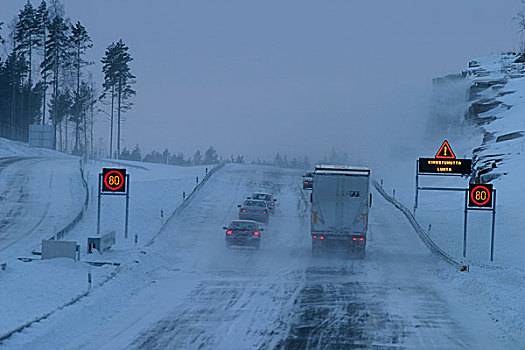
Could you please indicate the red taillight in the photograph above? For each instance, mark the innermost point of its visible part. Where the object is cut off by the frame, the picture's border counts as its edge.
(264, 212)
(256, 233)
(355, 239)
(321, 237)
(244, 210)
(306, 182)
(361, 239)
(315, 237)
(228, 232)
(272, 203)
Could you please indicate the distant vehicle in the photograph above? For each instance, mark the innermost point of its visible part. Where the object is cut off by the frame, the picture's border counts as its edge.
(254, 210)
(308, 180)
(340, 204)
(268, 198)
(243, 232)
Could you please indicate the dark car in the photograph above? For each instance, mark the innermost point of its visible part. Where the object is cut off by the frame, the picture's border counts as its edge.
(254, 210)
(268, 198)
(243, 232)
(308, 181)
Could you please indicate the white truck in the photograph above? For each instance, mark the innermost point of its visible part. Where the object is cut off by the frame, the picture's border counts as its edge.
(340, 205)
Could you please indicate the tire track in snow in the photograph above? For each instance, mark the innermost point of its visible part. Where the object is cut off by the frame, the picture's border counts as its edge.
(18, 196)
(232, 299)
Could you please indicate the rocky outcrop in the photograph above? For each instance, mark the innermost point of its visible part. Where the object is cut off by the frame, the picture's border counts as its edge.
(492, 89)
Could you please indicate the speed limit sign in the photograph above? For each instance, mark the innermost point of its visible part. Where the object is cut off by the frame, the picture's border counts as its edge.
(480, 196)
(113, 180)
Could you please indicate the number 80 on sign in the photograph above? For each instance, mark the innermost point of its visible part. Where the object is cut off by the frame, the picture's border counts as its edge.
(480, 196)
(113, 180)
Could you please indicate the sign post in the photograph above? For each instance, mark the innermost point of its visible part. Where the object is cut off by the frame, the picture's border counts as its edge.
(477, 197)
(480, 197)
(443, 163)
(113, 182)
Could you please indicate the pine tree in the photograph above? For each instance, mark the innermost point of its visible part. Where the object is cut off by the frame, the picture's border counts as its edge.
(42, 23)
(118, 80)
(26, 38)
(26, 35)
(278, 161)
(166, 156)
(81, 104)
(91, 121)
(56, 58)
(136, 154)
(197, 158)
(108, 87)
(125, 154)
(211, 156)
(178, 159)
(80, 42)
(60, 108)
(16, 70)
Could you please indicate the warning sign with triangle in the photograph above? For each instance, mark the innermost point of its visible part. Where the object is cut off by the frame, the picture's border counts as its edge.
(445, 151)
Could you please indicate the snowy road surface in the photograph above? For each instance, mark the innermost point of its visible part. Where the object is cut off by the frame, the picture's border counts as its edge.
(188, 291)
(34, 190)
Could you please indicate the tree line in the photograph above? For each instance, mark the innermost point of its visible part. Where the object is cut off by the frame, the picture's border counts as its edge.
(44, 79)
(211, 157)
(166, 157)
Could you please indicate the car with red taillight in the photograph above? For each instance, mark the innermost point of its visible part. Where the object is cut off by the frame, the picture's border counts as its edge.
(308, 181)
(243, 232)
(253, 209)
(267, 197)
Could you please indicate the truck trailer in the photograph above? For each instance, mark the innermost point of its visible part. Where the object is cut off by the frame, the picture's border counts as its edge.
(339, 212)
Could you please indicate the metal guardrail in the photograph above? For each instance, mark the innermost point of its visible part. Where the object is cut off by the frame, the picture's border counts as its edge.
(420, 232)
(119, 268)
(186, 201)
(60, 234)
(47, 314)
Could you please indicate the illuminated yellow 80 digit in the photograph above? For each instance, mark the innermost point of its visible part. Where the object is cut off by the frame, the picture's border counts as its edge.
(481, 195)
(114, 180)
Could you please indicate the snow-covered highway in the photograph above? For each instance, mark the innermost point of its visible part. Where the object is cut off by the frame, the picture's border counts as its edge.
(188, 291)
(38, 195)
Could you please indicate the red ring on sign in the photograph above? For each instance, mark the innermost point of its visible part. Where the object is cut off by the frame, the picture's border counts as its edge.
(474, 190)
(113, 188)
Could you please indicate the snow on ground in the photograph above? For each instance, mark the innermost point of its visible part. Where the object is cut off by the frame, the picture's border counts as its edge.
(496, 113)
(187, 290)
(39, 196)
(153, 188)
(9, 148)
(40, 193)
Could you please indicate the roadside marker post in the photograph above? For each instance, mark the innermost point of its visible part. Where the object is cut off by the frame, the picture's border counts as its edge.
(113, 182)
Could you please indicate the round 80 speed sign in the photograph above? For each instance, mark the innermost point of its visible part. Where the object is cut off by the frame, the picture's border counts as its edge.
(113, 180)
(480, 196)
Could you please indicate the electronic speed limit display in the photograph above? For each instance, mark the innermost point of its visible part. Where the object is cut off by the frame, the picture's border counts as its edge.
(113, 180)
(480, 196)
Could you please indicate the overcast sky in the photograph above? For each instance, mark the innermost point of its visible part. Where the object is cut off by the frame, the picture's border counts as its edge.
(294, 77)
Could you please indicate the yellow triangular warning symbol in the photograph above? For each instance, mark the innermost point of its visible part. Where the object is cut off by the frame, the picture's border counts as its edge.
(445, 151)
